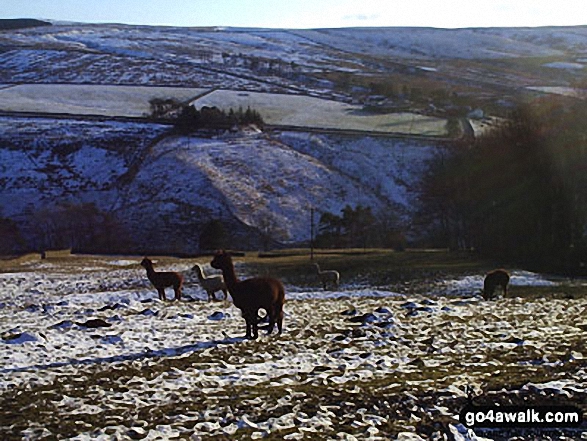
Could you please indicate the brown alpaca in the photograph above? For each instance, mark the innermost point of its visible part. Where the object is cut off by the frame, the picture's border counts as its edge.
(162, 280)
(494, 279)
(253, 294)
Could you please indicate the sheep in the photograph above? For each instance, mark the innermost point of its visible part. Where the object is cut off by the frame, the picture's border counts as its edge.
(211, 284)
(162, 280)
(252, 294)
(328, 277)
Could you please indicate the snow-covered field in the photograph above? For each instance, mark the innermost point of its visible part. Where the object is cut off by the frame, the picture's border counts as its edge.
(77, 99)
(89, 352)
(276, 109)
(311, 112)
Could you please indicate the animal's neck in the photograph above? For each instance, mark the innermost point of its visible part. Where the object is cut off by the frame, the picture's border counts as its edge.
(229, 277)
(151, 274)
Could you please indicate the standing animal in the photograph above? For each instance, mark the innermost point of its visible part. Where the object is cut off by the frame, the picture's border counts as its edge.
(252, 294)
(493, 279)
(164, 279)
(331, 277)
(211, 284)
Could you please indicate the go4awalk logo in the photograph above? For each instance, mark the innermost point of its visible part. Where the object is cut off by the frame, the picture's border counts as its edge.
(520, 416)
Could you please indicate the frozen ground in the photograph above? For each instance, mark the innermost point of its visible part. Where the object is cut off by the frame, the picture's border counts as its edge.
(88, 352)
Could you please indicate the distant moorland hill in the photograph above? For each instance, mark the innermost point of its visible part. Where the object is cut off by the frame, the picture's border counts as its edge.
(19, 23)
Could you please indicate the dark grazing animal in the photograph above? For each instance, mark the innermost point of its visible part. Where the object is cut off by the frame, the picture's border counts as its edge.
(164, 279)
(252, 294)
(493, 279)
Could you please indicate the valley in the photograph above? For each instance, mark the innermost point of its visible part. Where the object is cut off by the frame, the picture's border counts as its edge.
(388, 96)
(93, 179)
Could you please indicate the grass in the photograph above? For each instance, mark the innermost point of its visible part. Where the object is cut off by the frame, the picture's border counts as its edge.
(375, 267)
(410, 271)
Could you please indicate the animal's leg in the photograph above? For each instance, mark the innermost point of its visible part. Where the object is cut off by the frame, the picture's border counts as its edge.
(249, 328)
(161, 292)
(177, 290)
(272, 317)
(505, 290)
(251, 317)
(249, 322)
(280, 321)
(225, 293)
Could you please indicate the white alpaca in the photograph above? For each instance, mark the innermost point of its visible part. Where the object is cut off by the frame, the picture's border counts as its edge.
(211, 284)
(328, 276)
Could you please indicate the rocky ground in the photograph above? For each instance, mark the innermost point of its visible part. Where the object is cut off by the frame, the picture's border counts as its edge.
(88, 352)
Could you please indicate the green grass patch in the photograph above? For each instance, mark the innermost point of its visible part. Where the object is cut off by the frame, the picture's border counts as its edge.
(376, 267)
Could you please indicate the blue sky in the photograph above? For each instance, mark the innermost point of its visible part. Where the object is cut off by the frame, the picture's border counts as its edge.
(306, 13)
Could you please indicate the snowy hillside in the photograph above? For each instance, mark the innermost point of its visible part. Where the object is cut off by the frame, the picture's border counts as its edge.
(155, 187)
(410, 43)
(296, 61)
(178, 184)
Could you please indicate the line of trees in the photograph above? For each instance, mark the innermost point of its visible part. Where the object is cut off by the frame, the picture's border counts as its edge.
(359, 227)
(79, 226)
(191, 119)
(188, 119)
(519, 193)
(11, 241)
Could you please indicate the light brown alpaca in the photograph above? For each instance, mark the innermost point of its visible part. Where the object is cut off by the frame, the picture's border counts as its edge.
(328, 277)
(211, 284)
(162, 280)
(253, 294)
(493, 279)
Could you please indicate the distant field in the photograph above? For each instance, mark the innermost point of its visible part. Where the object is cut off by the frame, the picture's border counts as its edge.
(126, 101)
(276, 109)
(305, 111)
